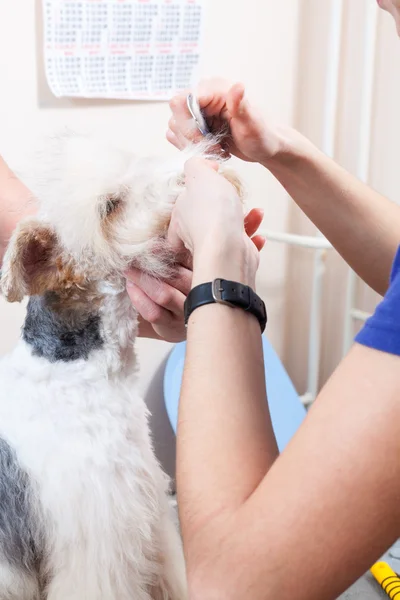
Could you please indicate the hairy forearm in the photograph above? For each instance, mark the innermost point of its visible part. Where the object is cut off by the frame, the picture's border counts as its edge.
(361, 224)
(15, 203)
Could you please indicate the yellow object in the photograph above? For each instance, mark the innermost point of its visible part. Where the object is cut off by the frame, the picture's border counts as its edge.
(387, 579)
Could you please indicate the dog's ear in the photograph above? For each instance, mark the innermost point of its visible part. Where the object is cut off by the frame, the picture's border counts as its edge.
(30, 263)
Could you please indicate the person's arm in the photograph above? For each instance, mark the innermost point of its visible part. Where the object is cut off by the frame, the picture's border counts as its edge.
(362, 225)
(308, 524)
(305, 524)
(220, 465)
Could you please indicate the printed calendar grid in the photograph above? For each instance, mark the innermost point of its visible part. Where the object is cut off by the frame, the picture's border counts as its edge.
(123, 49)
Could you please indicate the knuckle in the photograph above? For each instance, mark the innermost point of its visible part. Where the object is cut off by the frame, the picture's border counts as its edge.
(172, 139)
(132, 295)
(164, 296)
(154, 315)
(133, 278)
(174, 103)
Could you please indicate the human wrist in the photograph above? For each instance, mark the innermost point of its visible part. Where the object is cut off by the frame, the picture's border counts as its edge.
(234, 261)
(291, 150)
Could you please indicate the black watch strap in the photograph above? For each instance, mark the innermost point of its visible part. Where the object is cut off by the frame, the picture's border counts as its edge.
(227, 292)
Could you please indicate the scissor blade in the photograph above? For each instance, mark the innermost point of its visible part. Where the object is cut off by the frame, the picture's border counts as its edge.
(197, 115)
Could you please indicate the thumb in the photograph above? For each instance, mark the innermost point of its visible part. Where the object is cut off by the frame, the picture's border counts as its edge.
(197, 165)
(236, 102)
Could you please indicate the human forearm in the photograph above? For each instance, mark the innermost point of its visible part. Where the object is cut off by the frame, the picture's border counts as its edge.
(328, 507)
(225, 438)
(362, 225)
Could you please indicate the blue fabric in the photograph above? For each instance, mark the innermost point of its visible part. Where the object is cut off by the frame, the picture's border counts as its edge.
(287, 411)
(382, 330)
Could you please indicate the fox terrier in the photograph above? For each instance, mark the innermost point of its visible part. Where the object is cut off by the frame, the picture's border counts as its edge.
(84, 511)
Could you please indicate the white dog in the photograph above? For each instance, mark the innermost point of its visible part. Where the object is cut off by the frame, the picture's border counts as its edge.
(84, 513)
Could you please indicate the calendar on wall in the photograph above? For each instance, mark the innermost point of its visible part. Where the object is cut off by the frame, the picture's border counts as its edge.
(126, 49)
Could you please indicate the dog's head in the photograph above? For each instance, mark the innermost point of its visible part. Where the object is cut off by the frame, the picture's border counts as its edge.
(101, 211)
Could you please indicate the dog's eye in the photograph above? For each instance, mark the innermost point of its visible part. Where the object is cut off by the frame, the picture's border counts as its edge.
(111, 205)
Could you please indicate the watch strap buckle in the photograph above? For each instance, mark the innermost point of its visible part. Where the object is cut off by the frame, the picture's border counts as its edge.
(217, 290)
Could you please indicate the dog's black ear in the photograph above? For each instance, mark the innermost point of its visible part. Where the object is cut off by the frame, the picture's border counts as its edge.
(30, 263)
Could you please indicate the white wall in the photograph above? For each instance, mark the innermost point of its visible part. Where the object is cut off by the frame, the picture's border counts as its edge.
(255, 41)
(384, 172)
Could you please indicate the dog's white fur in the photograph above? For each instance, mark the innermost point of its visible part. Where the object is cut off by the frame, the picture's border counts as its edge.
(79, 427)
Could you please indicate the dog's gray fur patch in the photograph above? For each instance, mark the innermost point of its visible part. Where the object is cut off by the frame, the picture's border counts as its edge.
(21, 543)
(57, 336)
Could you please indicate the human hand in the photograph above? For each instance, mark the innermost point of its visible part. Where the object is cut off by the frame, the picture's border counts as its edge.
(250, 137)
(160, 303)
(208, 220)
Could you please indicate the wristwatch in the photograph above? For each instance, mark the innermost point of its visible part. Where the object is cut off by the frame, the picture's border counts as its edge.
(230, 293)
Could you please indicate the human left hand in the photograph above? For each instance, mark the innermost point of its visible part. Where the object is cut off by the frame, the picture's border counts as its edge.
(160, 303)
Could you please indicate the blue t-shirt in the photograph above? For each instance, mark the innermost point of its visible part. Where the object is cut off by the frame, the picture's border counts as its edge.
(382, 330)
